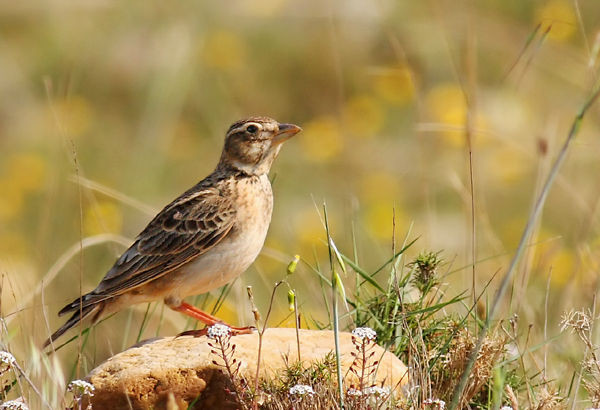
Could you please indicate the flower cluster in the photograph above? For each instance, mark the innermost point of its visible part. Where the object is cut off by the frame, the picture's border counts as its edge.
(7, 358)
(301, 390)
(376, 391)
(364, 333)
(441, 404)
(18, 404)
(218, 330)
(7, 361)
(354, 392)
(81, 388)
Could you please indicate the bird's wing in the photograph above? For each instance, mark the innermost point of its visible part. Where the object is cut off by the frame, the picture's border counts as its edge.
(185, 229)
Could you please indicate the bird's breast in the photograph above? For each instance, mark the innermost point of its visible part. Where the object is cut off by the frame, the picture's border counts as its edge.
(236, 252)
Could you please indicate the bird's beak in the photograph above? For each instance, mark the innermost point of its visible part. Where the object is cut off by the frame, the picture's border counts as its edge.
(286, 131)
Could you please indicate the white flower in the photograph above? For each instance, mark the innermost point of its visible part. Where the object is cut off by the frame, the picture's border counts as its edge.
(376, 391)
(364, 333)
(301, 390)
(81, 388)
(7, 358)
(18, 404)
(218, 330)
(441, 404)
(353, 392)
(510, 408)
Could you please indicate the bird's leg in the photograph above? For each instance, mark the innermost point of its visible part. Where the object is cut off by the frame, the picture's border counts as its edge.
(207, 319)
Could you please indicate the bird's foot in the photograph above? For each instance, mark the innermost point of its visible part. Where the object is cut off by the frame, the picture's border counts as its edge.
(209, 320)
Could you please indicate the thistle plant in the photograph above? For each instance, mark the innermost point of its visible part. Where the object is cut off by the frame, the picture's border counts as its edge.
(424, 268)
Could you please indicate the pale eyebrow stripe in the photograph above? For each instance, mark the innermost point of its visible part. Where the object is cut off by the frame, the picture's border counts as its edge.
(243, 127)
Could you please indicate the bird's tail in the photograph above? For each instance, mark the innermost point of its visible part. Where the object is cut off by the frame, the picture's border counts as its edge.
(79, 314)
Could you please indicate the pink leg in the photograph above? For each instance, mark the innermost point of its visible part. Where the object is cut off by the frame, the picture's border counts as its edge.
(207, 319)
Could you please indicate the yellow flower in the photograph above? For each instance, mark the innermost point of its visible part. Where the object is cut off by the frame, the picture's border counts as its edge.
(224, 50)
(446, 104)
(563, 267)
(377, 186)
(395, 85)
(322, 139)
(378, 218)
(363, 116)
(560, 16)
(102, 217)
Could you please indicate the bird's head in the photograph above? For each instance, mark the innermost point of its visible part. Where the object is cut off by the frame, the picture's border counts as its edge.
(252, 144)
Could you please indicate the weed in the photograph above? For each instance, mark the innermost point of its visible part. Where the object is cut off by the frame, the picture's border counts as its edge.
(223, 348)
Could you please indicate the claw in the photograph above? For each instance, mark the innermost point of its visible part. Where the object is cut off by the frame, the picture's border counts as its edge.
(235, 331)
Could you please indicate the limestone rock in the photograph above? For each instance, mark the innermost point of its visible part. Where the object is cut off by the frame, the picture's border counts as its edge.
(172, 373)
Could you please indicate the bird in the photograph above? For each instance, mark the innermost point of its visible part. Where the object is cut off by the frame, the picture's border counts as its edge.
(202, 240)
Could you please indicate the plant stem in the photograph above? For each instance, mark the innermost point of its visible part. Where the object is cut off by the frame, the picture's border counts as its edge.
(297, 323)
(222, 341)
(334, 301)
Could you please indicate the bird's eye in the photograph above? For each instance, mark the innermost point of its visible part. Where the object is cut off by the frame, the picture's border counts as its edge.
(252, 129)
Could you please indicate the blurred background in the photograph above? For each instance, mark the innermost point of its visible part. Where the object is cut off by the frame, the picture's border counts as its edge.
(111, 109)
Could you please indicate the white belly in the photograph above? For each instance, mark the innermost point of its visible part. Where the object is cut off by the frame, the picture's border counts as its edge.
(224, 263)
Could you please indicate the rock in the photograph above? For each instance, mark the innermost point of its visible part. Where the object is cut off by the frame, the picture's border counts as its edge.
(172, 373)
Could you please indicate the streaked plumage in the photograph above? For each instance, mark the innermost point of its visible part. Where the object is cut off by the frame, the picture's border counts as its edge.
(203, 239)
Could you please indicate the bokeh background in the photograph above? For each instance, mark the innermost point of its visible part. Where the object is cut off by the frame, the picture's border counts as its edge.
(111, 109)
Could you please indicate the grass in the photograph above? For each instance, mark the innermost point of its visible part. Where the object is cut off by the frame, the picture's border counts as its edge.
(434, 333)
(413, 315)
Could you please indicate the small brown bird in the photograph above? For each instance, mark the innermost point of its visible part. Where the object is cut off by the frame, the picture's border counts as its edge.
(202, 240)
